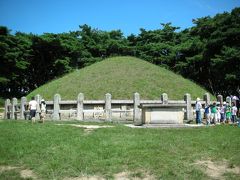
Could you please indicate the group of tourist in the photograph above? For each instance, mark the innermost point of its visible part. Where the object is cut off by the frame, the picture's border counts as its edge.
(217, 113)
(33, 106)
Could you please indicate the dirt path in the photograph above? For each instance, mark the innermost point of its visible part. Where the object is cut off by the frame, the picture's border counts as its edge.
(23, 173)
(87, 128)
(216, 170)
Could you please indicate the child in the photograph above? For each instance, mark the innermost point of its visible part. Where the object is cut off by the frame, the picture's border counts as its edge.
(228, 113)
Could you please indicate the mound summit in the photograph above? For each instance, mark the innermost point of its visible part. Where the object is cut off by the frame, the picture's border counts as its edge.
(121, 77)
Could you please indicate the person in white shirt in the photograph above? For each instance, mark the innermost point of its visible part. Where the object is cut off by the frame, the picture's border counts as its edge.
(223, 112)
(198, 107)
(32, 106)
(234, 112)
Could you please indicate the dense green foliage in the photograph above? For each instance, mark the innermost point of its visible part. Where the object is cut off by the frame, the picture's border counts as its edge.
(208, 53)
(1, 102)
(59, 152)
(120, 76)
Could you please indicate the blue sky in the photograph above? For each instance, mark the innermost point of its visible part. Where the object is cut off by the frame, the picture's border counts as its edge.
(57, 16)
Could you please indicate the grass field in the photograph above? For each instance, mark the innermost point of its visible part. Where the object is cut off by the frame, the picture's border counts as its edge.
(120, 76)
(50, 151)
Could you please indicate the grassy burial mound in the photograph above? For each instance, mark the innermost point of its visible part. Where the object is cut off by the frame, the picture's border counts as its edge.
(120, 76)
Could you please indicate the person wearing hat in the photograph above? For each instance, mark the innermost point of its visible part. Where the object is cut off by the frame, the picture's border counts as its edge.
(198, 107)
(43, 110)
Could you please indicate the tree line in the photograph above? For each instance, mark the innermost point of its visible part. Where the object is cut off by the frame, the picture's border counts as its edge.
(207, 53)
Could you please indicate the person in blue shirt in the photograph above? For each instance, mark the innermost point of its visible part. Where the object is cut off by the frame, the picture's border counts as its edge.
(207, 114)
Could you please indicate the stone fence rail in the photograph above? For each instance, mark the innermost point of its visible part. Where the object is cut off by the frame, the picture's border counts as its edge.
(105, 110)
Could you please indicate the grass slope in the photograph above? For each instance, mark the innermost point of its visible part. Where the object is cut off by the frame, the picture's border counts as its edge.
(120, 76)
(57, 152)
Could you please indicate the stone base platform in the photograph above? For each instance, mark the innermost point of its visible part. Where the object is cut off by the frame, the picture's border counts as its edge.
(166, 126)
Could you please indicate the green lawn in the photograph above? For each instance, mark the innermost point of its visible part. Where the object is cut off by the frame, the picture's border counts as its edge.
(58, 152)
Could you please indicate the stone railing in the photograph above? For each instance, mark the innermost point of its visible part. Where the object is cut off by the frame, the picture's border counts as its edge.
(103, 110)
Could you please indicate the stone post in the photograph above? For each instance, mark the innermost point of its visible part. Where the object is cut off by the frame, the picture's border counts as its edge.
(56, 106)
(123, 115)
(22, 107)
(137, 120)
(188, 114)
(164, 98)
(80, 99)
(108, 107)
(220, 99)
(6, 109)
(206, 98)
(14, 105)
(229, 100)
(38, 99)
